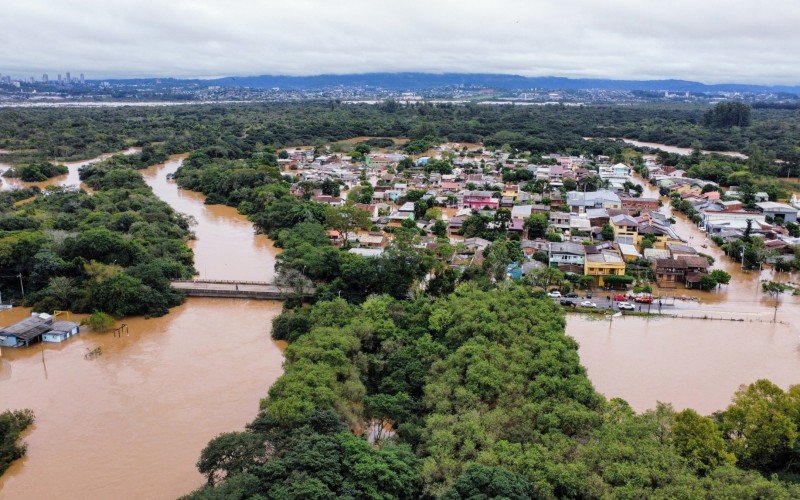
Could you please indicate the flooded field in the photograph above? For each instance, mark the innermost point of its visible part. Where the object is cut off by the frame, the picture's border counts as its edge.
(689, 363)
(692, 362)
(131, 422)
(678, 150)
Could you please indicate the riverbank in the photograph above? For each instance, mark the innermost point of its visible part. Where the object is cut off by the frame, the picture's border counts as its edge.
(150, 403)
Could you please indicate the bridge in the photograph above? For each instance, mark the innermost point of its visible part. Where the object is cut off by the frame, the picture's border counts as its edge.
(238, 289)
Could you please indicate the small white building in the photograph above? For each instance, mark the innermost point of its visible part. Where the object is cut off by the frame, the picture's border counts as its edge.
(61, 331)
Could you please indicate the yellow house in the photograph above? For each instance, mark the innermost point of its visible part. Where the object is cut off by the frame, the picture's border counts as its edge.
(661, 234)
(510, 191)
(626, 229)
(606, 262)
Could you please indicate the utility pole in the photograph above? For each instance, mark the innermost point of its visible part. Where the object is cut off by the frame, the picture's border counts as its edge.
(21, 287)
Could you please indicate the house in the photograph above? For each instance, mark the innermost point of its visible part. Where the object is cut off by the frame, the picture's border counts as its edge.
(660, 232)
(600, 263)
(406, 211)
(730, 205)
(669, 272)
(477, 200)
(680, 249)
(696, 267)
(26, 332)
(521, 211)
(579, 202)
(653, 254)
(371, 240)
(367, 252)
(715, 222)
(530, 247)
(560, 220)
(579, 225)
(61, 331)
(619, 170)
(629, 252)
(566, 253)
(632, 204)
(779, 212)
(335, 237)
(626, 229)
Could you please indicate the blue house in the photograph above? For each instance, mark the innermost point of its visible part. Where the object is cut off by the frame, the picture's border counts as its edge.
(26, 332)
(61, 331)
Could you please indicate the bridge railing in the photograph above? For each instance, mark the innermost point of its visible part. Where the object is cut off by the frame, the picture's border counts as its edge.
(227, 282)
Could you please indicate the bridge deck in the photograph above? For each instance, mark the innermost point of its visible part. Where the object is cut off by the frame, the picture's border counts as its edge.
(237, 289)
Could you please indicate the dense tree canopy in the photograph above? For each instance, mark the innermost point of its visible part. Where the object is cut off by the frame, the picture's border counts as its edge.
(114, 250)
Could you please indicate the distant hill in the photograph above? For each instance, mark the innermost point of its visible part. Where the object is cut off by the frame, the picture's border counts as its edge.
(424, 81)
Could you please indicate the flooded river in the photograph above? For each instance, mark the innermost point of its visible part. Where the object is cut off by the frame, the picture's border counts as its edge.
(70, 179)
(131, 423)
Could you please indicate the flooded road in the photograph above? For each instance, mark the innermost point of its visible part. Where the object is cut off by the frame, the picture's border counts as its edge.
(692, 362)
(131, 423)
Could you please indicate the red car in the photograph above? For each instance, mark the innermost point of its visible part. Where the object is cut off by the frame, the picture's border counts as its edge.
(644, 299)
(620, 297)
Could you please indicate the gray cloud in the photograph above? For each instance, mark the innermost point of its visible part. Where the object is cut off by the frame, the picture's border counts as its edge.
(707, 40)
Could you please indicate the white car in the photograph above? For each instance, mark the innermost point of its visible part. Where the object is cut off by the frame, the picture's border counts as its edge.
(554, 294)
(627, 306)
(588, 303)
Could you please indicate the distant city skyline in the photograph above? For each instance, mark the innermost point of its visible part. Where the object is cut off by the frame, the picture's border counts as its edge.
(741, 41)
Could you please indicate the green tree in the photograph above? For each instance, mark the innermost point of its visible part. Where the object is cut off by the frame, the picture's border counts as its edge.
(482, 482)
(545, 277)
(760, 426)
(499, 255)
(607, 232)
(230, 453)
(99, 322)
(537, 225)
(347, 219)
(12, 423)
(700, 442)
(707, 282)
(720, 276)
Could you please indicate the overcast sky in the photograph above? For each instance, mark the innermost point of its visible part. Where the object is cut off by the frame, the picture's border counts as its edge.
(743, 41)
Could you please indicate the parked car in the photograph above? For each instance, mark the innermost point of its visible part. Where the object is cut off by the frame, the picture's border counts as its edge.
(626, 306)
(571, 295)
(588, 295)
(588, 303)
(566, 302)
(554, 294)
(620, 297)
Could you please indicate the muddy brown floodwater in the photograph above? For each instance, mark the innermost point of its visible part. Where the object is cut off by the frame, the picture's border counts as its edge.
(693, 362)
(131, 423)
(70, 179)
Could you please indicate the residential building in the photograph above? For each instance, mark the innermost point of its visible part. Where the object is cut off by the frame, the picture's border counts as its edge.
(603, 262)
(566, 253)
(579, 202)
(779, 212)
(477, 200)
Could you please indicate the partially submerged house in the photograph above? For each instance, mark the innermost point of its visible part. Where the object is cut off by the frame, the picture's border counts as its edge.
(61, 331)
(39, 327)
